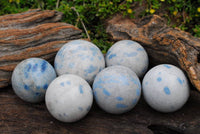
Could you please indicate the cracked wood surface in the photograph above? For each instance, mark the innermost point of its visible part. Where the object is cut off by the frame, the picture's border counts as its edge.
(162, 43)
(34, 33)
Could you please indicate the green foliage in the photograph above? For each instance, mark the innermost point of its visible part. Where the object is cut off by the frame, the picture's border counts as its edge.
(93, 13)
(186, 13)
(197, 30)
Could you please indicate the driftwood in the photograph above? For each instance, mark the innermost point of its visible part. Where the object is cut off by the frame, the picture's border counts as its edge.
(163, 44)
(34, 33)
(30, 18)
(19, 117)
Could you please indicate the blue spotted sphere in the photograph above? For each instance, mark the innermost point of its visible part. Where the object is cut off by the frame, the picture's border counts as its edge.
(165, 88)
(69, 98)
(81, 58)
(31, 78)
(117, 89)
(130, 54)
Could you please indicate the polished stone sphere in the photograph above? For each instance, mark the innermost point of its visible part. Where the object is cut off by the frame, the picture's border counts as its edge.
(117, 89)
(81, 58)
(130, 54)
(69, 98)
(165, 88)
(31, 78)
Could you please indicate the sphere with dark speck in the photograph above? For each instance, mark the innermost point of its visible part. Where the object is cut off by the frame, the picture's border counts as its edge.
(117, 89)
(81, 58)
(69, 98)
(31, 78)
(130, 54)
(165, 88)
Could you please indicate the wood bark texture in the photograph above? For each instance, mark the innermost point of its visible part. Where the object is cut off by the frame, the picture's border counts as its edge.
(34, 33)
(162, 43)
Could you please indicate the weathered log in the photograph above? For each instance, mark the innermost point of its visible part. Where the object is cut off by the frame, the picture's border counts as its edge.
(29, 18)
(31, 34)
(163, 44)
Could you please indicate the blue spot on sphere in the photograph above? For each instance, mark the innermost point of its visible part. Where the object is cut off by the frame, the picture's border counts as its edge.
(92, 59)
(98, 84)
(37, 87)
(100, 57)
(167, 66)
(43, 66)
(76, 42)
(119, 98)
(111, 56)
(81, 89)
(68, 82)
(94, 51)
(129, 42)
(27, 70)
(62, 84)
(91, 69)
(180, 81)
(34, 68)
(26, 87)
(45, 86)
(106, 92)
(28, 67)
(167, 90)
(124, 80)
(37, 94)
(140, 49)
(80, 108)
(121, 106)
(146, 83)
(108, 52)
(71, 65)
(132, 54)
(26, 74)
(81, 48)
(159, 79)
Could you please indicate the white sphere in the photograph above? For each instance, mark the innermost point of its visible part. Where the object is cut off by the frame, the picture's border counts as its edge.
(165, 88)
(31, 78)
(79, 57)
(69, 98)
(130, 54)
(117, 89)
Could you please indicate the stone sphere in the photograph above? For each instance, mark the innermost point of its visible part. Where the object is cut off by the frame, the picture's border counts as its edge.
(117, 89)
(81, 58)
(31, 78)
(165, 88)
(130, 54)
(69, 98)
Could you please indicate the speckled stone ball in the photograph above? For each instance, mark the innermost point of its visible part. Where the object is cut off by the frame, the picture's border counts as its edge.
(69, 98)
(31, 78)
(130, 54)
(79, 57)
(117, 89)
(165, 88)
